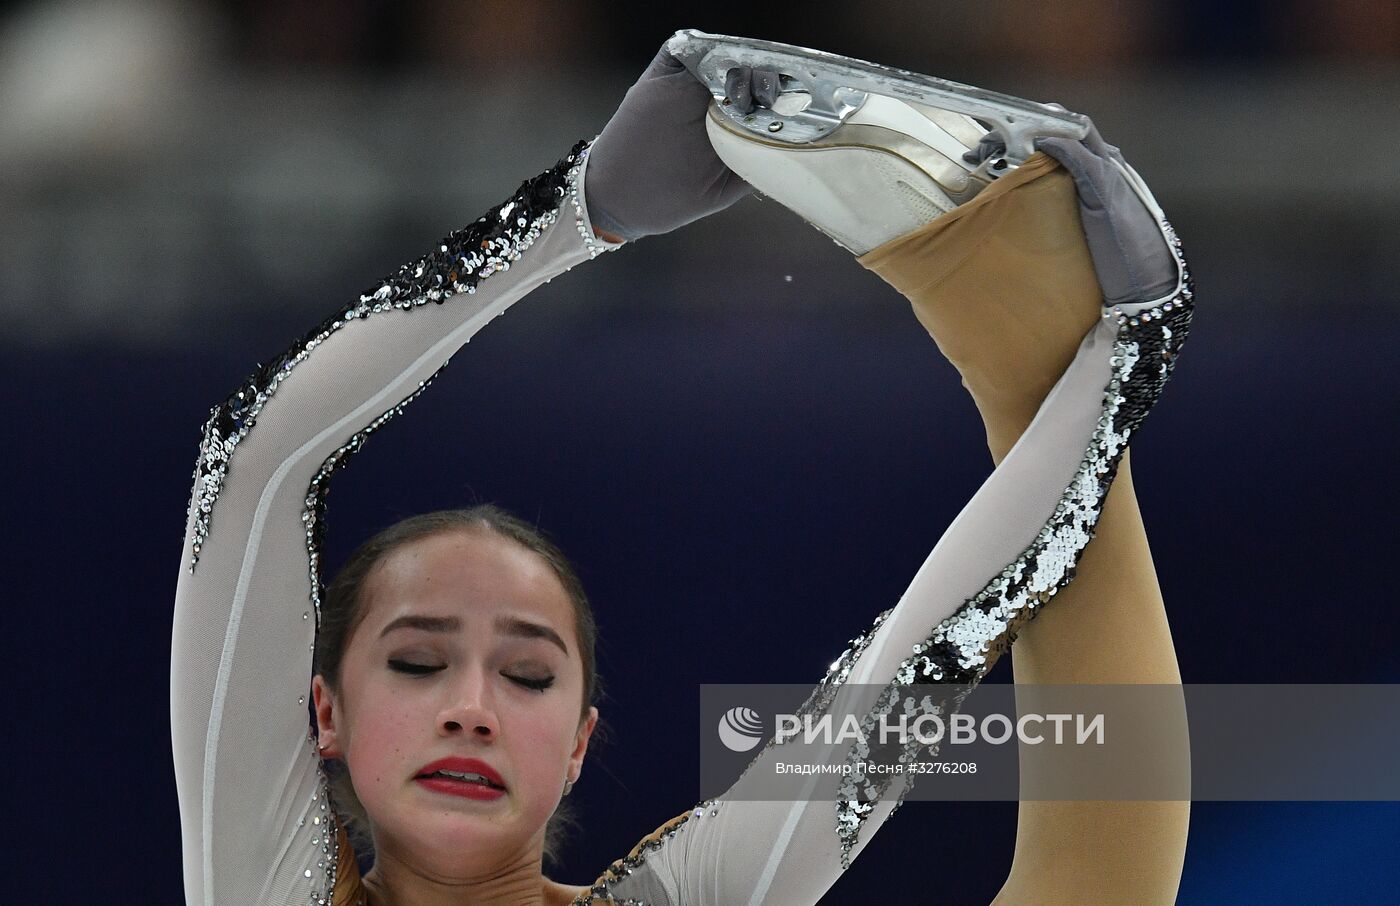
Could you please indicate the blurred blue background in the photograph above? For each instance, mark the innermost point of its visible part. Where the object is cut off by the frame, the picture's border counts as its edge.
(744, 440)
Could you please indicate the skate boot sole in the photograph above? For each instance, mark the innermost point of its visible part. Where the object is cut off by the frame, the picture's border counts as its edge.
(887, 171)
(863, 152)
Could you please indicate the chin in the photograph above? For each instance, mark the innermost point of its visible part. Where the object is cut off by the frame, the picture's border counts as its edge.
(460, 842)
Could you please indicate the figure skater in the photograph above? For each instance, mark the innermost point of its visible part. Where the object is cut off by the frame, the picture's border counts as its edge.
(453, 654)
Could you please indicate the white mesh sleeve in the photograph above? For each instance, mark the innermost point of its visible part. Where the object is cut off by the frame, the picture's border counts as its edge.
(253, 812)
(1012, 547)
(252, 801)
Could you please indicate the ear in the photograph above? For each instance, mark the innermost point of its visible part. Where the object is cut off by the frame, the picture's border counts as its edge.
(327, 718)
(585, 731)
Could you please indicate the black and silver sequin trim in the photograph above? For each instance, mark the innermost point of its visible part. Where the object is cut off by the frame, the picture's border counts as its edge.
(601, 892)
(313, 514)
(962, 649)
(821, 697)
(461, 262)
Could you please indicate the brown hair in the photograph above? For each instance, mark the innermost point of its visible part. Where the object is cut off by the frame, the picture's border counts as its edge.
(342, 611)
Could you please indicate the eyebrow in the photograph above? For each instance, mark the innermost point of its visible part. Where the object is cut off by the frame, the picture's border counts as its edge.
(511, 626)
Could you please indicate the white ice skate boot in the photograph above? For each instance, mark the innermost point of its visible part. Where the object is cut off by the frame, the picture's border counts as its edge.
(863, 152)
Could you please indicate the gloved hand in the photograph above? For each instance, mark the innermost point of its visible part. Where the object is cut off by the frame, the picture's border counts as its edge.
(1131, 257)
(652, 169)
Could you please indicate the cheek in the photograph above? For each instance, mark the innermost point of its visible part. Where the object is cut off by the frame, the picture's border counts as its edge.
(537, 743)
(540, 738)
(549, 728)
(381, 734)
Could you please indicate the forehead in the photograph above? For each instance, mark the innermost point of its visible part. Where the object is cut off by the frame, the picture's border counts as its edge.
(463, 573)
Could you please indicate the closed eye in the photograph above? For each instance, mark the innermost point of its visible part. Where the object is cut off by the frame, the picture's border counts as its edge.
(539, 685)
(412, 668)
(400, 666)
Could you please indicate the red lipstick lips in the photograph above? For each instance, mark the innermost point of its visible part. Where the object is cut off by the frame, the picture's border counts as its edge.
(466, 777)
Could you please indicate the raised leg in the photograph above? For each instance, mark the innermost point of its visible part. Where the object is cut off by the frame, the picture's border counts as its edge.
(1006, 287)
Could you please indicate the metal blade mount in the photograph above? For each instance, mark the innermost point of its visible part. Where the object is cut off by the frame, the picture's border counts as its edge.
(821, 90)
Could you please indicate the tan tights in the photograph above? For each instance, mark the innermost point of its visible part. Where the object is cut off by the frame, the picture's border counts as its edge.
(1006, 288)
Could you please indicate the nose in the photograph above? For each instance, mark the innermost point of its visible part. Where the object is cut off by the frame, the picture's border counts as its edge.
(469, 708)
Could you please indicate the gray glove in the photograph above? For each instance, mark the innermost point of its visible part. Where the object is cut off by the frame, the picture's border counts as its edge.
(653, 169)
(1131, 258)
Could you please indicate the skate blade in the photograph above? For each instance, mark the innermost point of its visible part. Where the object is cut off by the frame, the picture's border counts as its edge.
(820, 91)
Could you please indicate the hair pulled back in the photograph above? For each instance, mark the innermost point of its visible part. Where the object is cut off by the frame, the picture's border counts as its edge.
(342, 610)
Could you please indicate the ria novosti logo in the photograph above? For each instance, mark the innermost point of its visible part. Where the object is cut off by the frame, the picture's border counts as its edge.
(740, 729)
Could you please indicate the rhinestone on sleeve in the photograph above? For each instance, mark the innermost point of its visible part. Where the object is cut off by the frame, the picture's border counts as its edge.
(461, 261)
(459, 264)
(322, 825)
(962, 649)
(602, 890)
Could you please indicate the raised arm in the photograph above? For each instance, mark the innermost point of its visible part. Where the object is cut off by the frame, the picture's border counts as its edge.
(1060, 294)
(252, 795)
(253, 806)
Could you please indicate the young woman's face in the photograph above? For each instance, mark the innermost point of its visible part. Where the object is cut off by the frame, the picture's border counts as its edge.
(467, 650)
